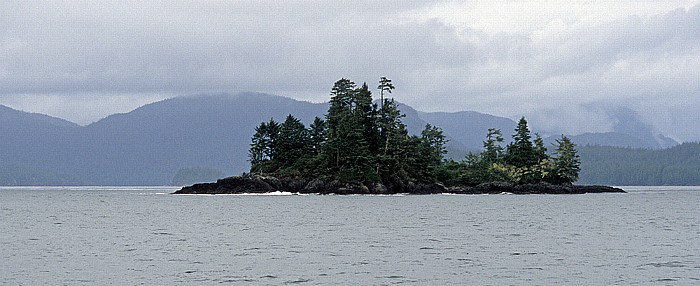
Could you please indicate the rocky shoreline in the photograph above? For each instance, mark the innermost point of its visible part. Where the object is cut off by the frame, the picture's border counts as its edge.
(254, 184)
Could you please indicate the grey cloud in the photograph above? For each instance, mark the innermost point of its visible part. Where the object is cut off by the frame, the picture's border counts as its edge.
(300, 48)
(224, 46)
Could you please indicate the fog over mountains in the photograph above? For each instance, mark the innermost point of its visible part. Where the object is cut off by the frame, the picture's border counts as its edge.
(148, 145)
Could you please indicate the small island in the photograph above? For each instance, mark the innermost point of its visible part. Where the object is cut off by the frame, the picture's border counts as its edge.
(363, 147)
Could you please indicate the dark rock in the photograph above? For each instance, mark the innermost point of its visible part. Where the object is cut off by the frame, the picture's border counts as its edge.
(319, 186)
(493, 188)
(598, 189)
(543, 188)
(536, 188)
(251, 183)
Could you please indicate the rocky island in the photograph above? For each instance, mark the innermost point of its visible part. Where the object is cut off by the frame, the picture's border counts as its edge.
(363, 148)
(257, 184)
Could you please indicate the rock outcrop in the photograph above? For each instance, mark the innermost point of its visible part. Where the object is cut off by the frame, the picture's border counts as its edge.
(537, 188)
(253, 184)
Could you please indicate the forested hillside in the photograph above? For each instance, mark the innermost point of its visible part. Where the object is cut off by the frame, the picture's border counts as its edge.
(679, 165)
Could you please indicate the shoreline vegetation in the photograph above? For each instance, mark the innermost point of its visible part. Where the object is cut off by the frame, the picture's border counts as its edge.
(362, 147)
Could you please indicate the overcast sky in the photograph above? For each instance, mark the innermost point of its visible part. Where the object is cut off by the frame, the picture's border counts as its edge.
(566, 65)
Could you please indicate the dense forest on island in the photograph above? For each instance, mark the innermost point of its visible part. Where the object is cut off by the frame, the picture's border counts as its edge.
(362, 142)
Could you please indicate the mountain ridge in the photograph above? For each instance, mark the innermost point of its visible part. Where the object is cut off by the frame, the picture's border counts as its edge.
(150, 144)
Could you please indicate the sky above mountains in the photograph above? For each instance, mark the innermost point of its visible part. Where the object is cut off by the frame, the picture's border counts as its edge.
(569, 66)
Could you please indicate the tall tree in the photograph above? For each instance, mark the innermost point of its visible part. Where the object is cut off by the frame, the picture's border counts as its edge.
(385, 85)
(317, 135)
(347, 150)
(293, 141)
(493, 151)
(394, 136)
(540, 149)
(521, 153)
(425, 154)
(340, 105)
(435, 141)
(567, 165)
(259, 147)
(264, 143)
(366, 113)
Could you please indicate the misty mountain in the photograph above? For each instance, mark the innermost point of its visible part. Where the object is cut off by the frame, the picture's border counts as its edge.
(618, 139)
(150, 144)
(29, 142)
(469, 127)
(628, 131)
(675, 166)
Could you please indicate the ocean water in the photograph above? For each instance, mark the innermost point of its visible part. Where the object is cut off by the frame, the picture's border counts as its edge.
(131, 236)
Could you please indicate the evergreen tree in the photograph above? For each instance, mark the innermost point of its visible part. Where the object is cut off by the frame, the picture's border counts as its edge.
(476, 169)
(567, 164)
(293, 141)
(317, 135)
(358, 162)
(425, 154)
(540, 149)
(385, 85)
(264, 143)
(259, 148)
(340, 106)
(393, 144)
(387, 112)
(521, 153)
(366, 113)
(394, 135)
(434, 139)
(493, 151)
(337, 120)
(273, 131)
(347, 150)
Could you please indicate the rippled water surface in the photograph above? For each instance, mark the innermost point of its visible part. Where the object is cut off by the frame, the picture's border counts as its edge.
(105, 235)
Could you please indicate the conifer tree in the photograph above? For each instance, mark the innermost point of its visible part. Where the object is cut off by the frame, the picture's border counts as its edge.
(493, 151)
(435, 141)
(521, 153)
(393, 134)
(425, 154)
(385, 85)
(264, 143)
(366, 112)
(567, 164)
(347, 150)
(293, 141)
(259, 148)
(317, 135)
(540, 149)
(340, 106)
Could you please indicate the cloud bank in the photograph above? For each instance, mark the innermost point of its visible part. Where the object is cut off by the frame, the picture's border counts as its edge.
(560, 64)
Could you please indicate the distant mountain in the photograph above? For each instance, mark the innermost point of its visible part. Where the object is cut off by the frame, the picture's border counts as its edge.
(678, 165)
(617, 139)
(31, 146)
(415, 123)
(469, 127)
(628, 131)
(149, 145)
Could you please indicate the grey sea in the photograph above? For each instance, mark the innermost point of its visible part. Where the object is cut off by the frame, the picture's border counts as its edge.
(146, 236)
